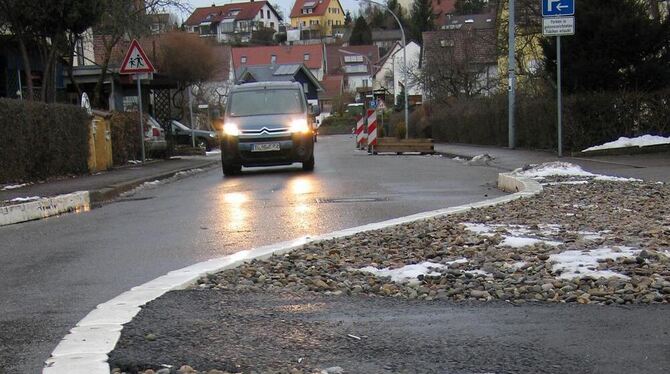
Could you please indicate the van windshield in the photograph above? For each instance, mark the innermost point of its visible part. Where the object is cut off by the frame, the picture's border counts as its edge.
(264, 102)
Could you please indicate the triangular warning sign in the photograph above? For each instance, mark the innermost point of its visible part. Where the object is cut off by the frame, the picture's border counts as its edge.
(136, 60)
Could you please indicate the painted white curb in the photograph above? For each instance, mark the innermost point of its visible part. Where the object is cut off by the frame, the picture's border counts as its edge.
(45, 207)
(84, 350)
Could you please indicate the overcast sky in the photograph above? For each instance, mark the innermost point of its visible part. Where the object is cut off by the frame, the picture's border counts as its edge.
(285, 5)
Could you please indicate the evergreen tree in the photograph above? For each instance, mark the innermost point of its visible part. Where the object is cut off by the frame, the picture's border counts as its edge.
(470, 6)
(422, 19)
(347, 18)
(361, 34)
(616, 46)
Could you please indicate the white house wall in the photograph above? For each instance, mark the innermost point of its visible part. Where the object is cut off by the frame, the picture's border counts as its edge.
(89, 53)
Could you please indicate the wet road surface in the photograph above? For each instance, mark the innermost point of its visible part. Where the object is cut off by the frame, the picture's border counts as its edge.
(54, 271)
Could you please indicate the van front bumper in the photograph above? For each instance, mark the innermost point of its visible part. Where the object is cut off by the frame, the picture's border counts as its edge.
(292, 148)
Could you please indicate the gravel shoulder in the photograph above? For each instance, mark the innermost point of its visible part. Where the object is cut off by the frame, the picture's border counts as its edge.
(575, 279)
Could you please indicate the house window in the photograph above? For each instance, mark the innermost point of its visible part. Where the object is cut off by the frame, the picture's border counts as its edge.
(304, 23)
(305, 57)
(243, 59)
(80, 52)
(365, 83)
(261, 13)
(273, 59)
(268, 13)
(272, 24)
(330, 22)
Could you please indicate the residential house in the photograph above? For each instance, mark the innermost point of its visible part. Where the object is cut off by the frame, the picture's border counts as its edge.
(355, 63)
(333, 87)
(312, 56)
(233, 22)
(163, 22)
(461, 60)
(389, 75)
(278, 72)
(320, 15)
(442, 9)
(385, 39)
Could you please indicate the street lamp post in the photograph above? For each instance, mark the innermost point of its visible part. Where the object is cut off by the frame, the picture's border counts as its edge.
(404, 61)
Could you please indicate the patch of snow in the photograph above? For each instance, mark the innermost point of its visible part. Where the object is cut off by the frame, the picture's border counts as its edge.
(566, 182)
(479, 272)
(608, 178)
(14, 186)
(24, 199)
(518, 242)
(623, 142)
(577, 264)
(556, 168)
(480, 160)
(213, 152)
(518, 265)
(590, 235)
(134, 162)
(152, 183)
(459, 261)
(407, 273)
(460, 159)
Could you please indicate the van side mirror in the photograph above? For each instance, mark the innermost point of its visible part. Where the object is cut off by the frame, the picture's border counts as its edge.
(315, 110)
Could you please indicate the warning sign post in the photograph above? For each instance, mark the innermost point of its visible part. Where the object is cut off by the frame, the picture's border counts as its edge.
(136, 62)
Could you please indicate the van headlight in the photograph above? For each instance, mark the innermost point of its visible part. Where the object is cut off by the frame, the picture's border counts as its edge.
(231, 129)
(299, 126)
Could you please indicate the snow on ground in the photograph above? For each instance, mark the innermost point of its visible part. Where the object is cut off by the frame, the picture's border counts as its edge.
(623, 142)
(24, 199)
(519, 242)
(409, 273)
(14, 186)
(213, 152)
(566, 169)
(576, 264)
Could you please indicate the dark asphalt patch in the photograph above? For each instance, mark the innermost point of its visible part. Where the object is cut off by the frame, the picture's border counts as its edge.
(271, 332)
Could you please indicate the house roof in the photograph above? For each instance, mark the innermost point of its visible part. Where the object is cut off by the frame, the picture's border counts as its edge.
(245, 11)
(471, 21)
(333, 85)
(319, 7)
(335, 57)
(441, 8)
(276, 73)
(285, 55)
(380, 35)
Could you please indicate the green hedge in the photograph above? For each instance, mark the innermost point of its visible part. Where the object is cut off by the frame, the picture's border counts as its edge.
(38, 140)
(588, 119)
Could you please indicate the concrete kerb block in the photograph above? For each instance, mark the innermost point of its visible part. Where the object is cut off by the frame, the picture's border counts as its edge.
(102, 326)
(45, 207)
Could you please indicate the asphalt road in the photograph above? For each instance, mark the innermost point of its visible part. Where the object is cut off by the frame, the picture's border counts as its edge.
(54, 271)
(272, 332)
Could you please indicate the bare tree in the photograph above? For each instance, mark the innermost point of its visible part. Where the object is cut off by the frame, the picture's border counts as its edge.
(125, 19)
(459, 63)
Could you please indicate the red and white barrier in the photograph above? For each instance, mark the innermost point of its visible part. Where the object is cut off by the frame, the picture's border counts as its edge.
(361, 136)
(372, 129)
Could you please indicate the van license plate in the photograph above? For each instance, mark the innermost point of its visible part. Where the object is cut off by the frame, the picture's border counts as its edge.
(265, 147)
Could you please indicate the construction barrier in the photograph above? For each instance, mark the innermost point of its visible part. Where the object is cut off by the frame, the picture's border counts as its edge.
(361, 136)
(372, 129)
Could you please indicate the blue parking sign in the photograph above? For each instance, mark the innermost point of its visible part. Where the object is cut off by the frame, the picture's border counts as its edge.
(554, 8)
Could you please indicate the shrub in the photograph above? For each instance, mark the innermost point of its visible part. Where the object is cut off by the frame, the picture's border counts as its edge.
(588, 119)
(41, 140)
(337, 125)
(125, 137)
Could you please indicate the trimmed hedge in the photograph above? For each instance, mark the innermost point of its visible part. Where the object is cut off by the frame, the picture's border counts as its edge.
(39, 141)
(125, 137)
(588, 119)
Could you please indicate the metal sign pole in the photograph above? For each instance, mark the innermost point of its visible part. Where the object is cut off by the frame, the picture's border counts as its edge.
(139, 102)
(558, 85)
(511, 94)
(190, 109)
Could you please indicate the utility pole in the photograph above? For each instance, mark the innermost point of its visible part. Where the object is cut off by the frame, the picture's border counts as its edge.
(511, 89)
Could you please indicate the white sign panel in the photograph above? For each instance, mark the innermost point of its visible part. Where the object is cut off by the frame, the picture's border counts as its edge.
(558, 26)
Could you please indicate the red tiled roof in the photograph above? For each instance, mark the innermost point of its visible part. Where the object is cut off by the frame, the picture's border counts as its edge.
(285, 55)
(218, 13)
(332, 86)
(320, 8)
(441, 8)
(335, 56)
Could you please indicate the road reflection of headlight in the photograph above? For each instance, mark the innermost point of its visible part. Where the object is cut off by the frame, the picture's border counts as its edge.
(301, 186)
(236, 198)
(231, 129)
